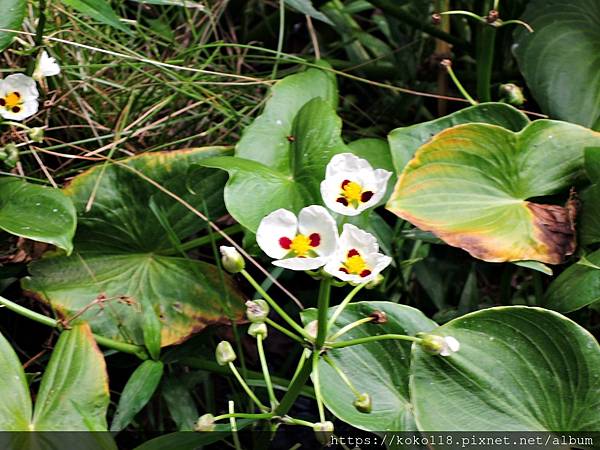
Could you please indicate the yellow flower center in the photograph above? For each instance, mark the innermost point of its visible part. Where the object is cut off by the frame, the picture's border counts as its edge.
(355, 264)
(352, 191)
(12, 102)
(352, 194)
(300, 245)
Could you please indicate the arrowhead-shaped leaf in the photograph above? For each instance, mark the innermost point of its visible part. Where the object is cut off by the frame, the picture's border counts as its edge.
(517, 369)
(471, 184)
(123, 252)
(15, 407)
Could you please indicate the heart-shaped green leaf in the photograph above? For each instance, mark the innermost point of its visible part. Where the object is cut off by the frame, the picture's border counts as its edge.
(380, 369)
(73, 395)
(576, 287)
(123, 251)
(13, 12)
(589, 217)
(37, 213)
(470, 186)
(405, 141)
(518, 369)
(560, 60)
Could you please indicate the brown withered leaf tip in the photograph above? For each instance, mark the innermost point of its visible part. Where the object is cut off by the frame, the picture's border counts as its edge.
(556, 226)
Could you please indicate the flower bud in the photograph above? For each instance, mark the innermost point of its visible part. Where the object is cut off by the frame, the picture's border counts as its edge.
(311, 329)
(363, 403)
(205, 423)
(36, 134)
(375, 282)
(225, 353)
(231, 259)
(439, 345)
(257, 310)
(258, 328)
(10, 155)
(323, 431)
(512, 94)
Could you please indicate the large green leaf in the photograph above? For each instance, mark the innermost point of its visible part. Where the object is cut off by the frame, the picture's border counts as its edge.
(560, 60)
(471, 183)
(518, 369)
(405, 141)
(137, 393)
(36, 212)
(74, 394)
(266, 139)
(256, 189)
(589, 217)
(15, 407)
(576, 287)
(13, 12)
(380, 369)
(123, 251)
(99, 10)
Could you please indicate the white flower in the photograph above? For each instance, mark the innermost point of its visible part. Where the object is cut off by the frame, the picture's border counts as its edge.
(18, 97)
(351, 185)
(303, 243)
(231, 259)
(46, 67)
(357, 258)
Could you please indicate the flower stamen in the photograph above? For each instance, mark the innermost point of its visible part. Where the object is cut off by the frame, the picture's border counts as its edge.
(301, 245)
(353, 194)
(12, 101)
(355, 264)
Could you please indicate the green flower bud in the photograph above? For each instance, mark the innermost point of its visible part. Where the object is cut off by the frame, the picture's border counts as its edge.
(512, 94)
(439, 345)
(205, 423)
(323, 431)
(10, 155)
(231, 259)
(36, 134)
(363, 403)
(375, 282)
(225, 353)
(257, 310)
(258, 328)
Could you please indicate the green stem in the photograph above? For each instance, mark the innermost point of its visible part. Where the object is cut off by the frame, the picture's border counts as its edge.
(39, 34)
(274, 304)
(132, 349)
(279, 38)
(393, 9)
(459, 85)
(485, 58)
(368, 339)
(233, 423)
(293, 421)
(323, 308)
(317, 384)
(244, 416)
(297, 384)
(283, 330)
(344, 303)
(343, 376)
(265, 369)
(349, 327)
(247, 388)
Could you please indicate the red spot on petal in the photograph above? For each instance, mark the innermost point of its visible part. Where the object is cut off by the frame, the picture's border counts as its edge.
(343, 269)
(315, 239)
(366, 196)
(2, 102)
(344, 183)
(342, 200)
(16, 109)
(285, 243)
(353, 252)
(365, 273)
(16, 94)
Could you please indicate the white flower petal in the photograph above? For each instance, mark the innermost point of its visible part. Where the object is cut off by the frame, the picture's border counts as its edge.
(300, 263)
(47, 65)
(316, 219)
(346, 163)
(279, 224)
(354, 237)
(452, 343)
